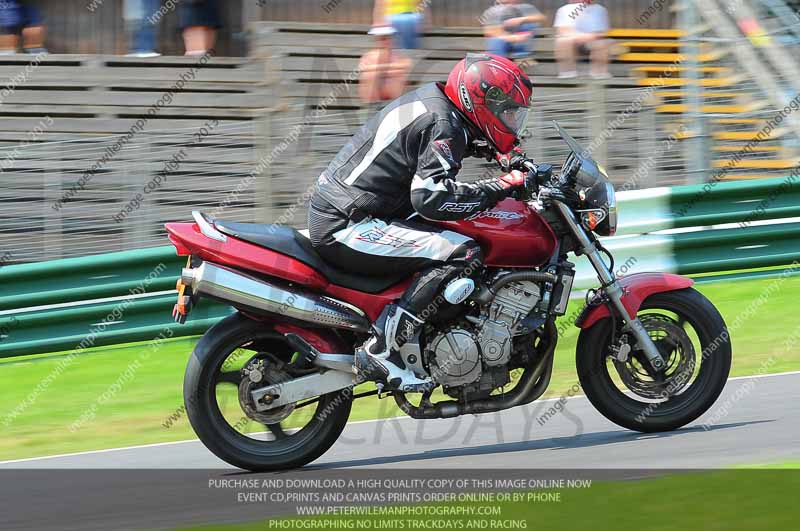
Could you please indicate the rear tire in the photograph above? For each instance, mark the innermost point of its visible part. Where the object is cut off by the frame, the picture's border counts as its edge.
(291, 451)
(714, 358)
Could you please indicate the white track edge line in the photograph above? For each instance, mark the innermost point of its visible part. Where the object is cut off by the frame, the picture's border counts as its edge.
(402, 417)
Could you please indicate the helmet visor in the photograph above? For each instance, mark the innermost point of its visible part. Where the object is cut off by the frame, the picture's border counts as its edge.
(508, 111)
(514, 118)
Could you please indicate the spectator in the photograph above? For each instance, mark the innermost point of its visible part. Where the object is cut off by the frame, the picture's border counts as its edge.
(383, 71)
(510, 27)
(581, 27)
(19, 18)
(405, 16)
(199, 21)
(138, 15)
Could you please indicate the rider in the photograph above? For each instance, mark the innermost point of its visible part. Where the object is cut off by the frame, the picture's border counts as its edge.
(404, 162)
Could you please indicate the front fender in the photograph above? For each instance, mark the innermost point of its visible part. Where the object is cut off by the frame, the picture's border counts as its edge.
(637, 288)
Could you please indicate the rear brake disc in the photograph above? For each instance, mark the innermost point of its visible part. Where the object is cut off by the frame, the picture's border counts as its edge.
(254, 375)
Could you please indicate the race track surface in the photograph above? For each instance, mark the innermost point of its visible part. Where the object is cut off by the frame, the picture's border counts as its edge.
(762, 424)
(140, 488)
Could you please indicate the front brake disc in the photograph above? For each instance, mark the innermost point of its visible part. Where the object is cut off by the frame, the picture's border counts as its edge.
(675, 347)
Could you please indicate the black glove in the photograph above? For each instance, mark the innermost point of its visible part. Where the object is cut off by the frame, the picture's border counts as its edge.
(512, 184)
(482, 150)
(513, 160)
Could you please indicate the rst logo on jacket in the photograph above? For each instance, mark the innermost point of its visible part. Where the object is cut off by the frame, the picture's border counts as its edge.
(444, 148)
(459, 207)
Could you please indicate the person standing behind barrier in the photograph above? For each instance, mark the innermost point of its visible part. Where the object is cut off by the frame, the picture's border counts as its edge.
(582, 27)
(199, 21)
(141, 29)
(405, 16)
(20, 18)
(510, 27)
(383, 70)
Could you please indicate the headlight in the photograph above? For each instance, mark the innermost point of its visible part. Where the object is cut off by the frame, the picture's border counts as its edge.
(591, 219)
(600, 209)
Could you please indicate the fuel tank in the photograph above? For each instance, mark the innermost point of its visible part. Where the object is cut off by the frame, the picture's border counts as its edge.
(512, 234)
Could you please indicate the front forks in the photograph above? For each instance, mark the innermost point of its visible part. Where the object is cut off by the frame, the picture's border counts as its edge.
(613, 290)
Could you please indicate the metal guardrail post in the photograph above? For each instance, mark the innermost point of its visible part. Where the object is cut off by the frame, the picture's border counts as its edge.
(53, 218)
(262, 187)
(535, 131)
(697, 146)
(262, 212)
(598, 118)
(139, 220)
(648, 147)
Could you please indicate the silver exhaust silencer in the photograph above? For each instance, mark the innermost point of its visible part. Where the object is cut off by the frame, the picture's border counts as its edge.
(250, 293)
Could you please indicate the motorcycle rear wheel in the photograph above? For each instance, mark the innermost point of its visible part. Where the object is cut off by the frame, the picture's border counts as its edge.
(274, 447)
(625, 394)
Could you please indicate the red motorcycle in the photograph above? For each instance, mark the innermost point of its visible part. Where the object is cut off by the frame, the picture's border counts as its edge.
(653, 353)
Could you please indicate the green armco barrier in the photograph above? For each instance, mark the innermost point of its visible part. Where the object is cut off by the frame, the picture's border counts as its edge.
(737, 248)
(643, 211)
(108, 323)
(89, 277)
(55, 306)
(736, 201)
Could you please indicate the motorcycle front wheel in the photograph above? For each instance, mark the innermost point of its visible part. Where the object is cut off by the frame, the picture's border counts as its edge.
(216, 396)
(693, 340)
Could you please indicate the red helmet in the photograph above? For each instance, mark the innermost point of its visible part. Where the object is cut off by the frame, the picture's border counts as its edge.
(494, 93)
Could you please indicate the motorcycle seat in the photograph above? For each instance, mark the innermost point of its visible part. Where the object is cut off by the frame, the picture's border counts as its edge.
(293, 243)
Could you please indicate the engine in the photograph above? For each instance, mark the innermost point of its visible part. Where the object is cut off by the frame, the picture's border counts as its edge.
(473, 356)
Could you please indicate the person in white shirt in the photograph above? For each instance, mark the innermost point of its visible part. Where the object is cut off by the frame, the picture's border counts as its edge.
(582, 27)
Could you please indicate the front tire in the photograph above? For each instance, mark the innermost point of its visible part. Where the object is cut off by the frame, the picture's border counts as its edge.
(636, 408)
(280, 448)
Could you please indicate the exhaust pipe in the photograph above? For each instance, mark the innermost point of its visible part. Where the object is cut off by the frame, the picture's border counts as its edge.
(257, 296)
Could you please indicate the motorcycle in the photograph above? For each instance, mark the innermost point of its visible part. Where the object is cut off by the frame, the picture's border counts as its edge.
(653, 354)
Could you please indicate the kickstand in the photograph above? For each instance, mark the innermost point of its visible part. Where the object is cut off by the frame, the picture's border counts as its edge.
(426, 399)
(380, 393)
